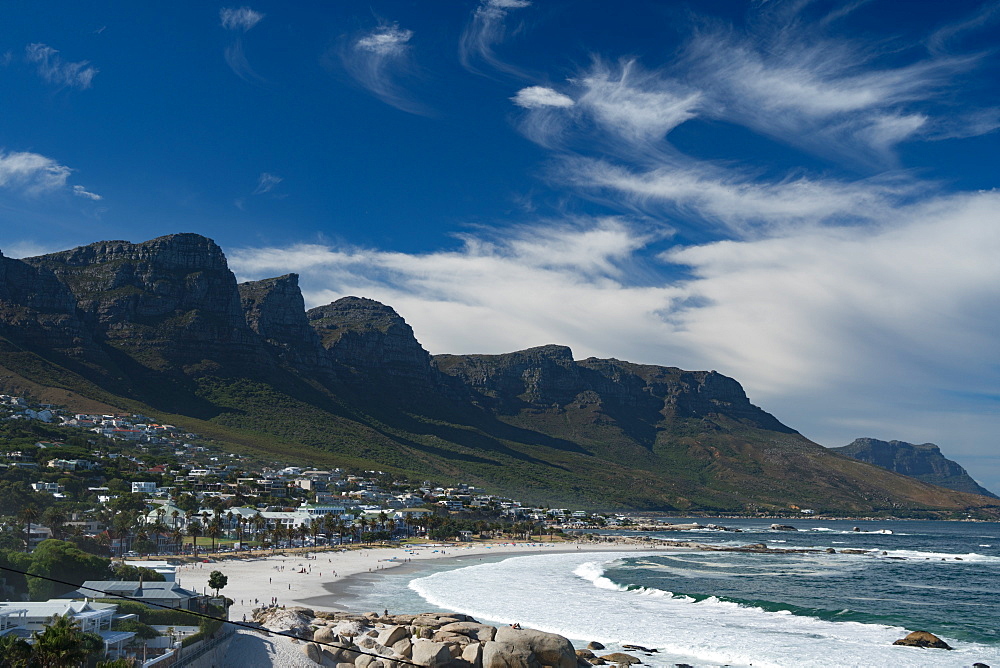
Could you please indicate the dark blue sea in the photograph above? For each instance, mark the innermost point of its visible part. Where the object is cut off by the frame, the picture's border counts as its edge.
(748, 609)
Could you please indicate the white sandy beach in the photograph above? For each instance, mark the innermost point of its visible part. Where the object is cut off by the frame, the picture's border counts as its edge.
(255, 581)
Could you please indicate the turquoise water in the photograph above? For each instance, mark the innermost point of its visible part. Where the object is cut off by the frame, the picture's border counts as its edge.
(744, 609)
(942, 577)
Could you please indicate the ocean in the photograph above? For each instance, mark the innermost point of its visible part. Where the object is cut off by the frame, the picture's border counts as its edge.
(744, 609)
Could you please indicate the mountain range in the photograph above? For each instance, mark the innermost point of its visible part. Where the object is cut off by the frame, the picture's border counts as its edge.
(923, 462)
(163, 327)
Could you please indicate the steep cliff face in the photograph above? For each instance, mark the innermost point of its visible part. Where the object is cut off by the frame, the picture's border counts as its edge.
(547, 378)
(541, 377)
(169, 302)
(275, 310)
(163, 327)
(923, 462)
(370, 343)
(37, 310)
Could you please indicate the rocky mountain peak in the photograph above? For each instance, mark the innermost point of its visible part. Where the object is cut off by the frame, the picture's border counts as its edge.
(172, 298)
(274, 309)
(924, 462)
(369, 337)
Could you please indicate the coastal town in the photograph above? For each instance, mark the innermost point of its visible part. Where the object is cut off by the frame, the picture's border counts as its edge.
(179, 492)
(124, 487)
(147, 544)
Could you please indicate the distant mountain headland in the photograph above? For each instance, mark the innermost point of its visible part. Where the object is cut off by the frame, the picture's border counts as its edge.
(923, 462)
(163, 327)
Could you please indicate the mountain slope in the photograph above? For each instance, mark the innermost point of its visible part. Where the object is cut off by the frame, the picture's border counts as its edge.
(162, 327)
(923, 462)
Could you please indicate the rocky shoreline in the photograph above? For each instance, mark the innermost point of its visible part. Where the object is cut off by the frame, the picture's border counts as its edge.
(435, 640)
(450, 640)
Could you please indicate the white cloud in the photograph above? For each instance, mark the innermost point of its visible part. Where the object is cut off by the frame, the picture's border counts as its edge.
(80, 191)
(239, 19)
(486, 30)
(379, 60)
(636, 105)
(266, 183)
(387, 40)
(31, 172)
(834, 329)
(829, 95)
(34, 174)
(54, 69)
(534, 97)
(741, 205)
(238, 63)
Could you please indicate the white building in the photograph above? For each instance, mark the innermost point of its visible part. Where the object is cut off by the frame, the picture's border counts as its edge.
(144, 488)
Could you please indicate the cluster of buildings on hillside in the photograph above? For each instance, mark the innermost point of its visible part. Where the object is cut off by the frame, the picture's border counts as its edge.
(293, 497)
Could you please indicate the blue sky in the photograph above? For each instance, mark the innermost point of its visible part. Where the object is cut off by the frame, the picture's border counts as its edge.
(798, 194)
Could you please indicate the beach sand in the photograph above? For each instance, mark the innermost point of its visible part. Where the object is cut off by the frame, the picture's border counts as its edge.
(327, 577)
(319, 579)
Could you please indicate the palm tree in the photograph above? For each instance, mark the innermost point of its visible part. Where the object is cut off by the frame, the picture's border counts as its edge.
(314, 526)
(391, 527)
(362, 525)
(341, 528)
(157, 529)
(259, 523)
(213, 531)
(194, 530)
(28, 515)
(178, 537)
(55, 519)
(174, 514)
(62, 643)
(277, 533)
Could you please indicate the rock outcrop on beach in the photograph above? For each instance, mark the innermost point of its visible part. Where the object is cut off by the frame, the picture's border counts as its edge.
(436, 640)
(162, 327)
(924, 462)
(923, 639)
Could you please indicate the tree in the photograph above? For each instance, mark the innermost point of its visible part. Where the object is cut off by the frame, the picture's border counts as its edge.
(62, 643)
(194, 530)
(178, 537)
(54, 519)
(14, 652)
(55, 558)
(216, 581)
(28, 515)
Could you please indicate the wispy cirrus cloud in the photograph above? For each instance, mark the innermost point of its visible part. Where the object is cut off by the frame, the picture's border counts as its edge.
(736, 203)
(378, 60)
(784, 76)
(80, 191)
(536, 97)
(805, 315)
(239, 21)
(634, 104)
(266, 182)
(34, 174)
(486, 30)
(824, 94)
(51, 67)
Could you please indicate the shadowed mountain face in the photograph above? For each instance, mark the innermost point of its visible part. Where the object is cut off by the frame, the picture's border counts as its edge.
(162, 327)
(923, 462)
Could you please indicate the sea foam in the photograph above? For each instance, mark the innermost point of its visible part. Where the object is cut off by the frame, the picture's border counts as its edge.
(570, 594)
